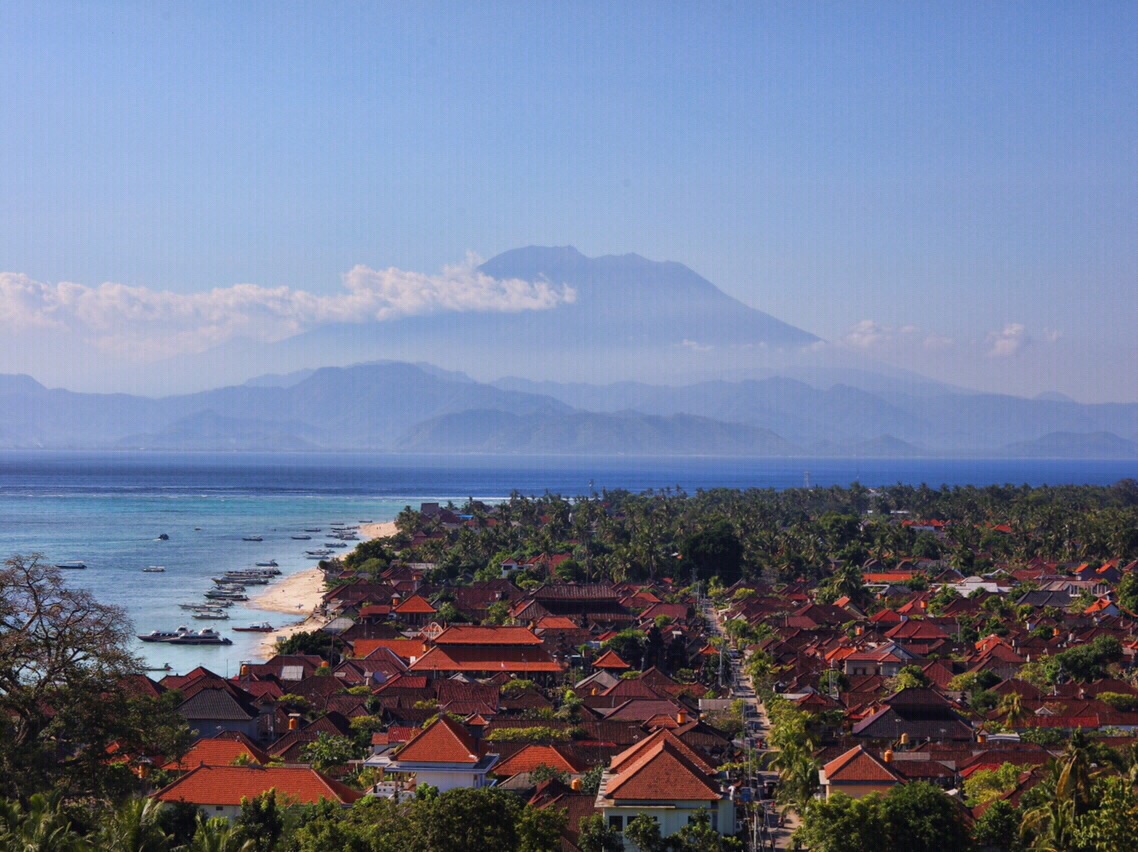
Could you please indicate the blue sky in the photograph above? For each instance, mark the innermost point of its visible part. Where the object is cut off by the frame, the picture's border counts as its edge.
(946, 187)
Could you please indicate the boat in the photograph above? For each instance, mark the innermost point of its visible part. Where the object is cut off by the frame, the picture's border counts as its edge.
(154, 569)
(263, 627)
(215, 615)
(211, 604)
(272, 563)
(164, 635)
(165, 668)
(335, 544)
(206, 636)
(312, 529)
(226, 596)
(163, 537)
(251, 538)
(302, 537)
(76, 565)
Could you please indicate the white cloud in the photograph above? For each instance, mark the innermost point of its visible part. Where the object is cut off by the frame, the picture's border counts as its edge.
(1008, 341)
(867, 334)
(1052, 335)
(147, 323)
(695, 345)
(937, 342)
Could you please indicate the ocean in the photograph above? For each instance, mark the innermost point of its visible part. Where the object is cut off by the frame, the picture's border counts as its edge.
(109, 509)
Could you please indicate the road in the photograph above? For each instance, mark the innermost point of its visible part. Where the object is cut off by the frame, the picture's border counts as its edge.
(758, 725)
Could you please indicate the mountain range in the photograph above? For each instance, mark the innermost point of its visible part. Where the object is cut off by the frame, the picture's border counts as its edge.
(629, 317)
(400, 407)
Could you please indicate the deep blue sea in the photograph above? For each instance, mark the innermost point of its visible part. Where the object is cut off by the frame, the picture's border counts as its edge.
(108, 509)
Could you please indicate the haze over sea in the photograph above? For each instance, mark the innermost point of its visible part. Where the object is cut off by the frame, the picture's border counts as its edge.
(108, 510)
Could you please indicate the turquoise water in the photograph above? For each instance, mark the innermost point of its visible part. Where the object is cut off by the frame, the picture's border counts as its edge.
(108, 509)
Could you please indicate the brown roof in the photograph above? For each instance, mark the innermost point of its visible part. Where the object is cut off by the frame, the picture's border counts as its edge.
(476, 635)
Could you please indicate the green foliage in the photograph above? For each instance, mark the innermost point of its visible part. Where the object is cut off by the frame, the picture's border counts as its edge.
(314, 642)
(64, 694)
(1085, 663)
(535, 734)
(715, 552)
(983, 785)
(591, 780)
(260, 822)
(330, 750)
(842, 824)
(596, 836)
(644, 832)
(998, 828)
(914, 817)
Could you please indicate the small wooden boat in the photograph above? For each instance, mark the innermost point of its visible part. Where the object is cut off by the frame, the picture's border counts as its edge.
(252, 538)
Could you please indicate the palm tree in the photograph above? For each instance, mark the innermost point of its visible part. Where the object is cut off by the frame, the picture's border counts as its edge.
(40, 827)
(134, 828)
(217, 835)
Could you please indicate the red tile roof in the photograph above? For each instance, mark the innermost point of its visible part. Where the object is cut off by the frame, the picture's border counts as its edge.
(228, 785)
(661, 772)
(528, 758)
(217, 751)
(610, 660)
(476, 635)
(858, 765)
(415, 605)
(405, 648)
(443, 741)
(474, 658)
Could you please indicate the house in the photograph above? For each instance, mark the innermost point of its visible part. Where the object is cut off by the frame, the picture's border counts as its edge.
(443, 755)
(857, 773)
(218, 790)
(663, 777)
(482, 651)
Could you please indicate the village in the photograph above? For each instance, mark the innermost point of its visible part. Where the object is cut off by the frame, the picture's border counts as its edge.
(720, 707)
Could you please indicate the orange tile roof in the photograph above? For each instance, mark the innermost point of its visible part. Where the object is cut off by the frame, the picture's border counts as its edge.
(528, 758)
(476, 635)
(557, 622)
(610, 660)
(443, 741)
(416, 605)
(228, 785)
(858, 765)
(217, 751)
(661, 772)
(404, 648)
(626, 757)
(474, 658)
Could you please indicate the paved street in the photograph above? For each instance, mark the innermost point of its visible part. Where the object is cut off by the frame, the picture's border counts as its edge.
(758, 726)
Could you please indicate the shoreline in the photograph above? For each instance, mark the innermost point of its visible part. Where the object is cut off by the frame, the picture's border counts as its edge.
(302, 594)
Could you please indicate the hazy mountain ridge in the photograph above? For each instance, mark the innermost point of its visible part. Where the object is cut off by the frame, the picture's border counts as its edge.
(404, 407)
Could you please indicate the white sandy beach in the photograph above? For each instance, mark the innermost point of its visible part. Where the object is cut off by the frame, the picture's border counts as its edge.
(301, 594)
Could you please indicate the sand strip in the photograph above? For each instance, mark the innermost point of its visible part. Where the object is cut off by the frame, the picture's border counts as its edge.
(302, 594)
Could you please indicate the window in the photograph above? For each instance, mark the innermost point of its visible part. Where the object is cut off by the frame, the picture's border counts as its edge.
(616, 823)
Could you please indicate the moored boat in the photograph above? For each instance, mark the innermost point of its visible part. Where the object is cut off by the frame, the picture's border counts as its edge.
(262, 627)
(206, 636)
(164, 635)
(251, 538)
(154, 569)
(271, 563)
(74, 565)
